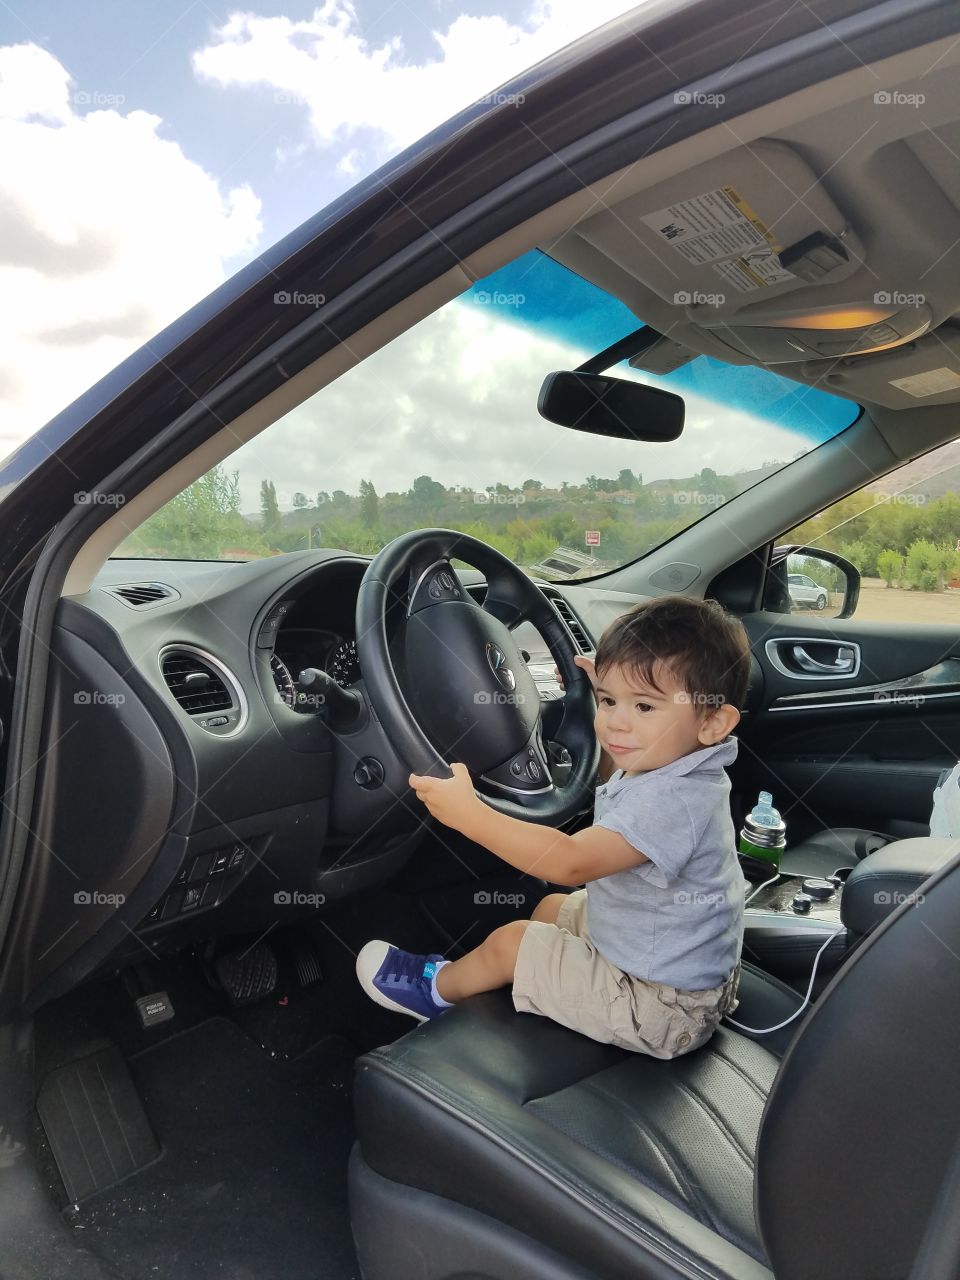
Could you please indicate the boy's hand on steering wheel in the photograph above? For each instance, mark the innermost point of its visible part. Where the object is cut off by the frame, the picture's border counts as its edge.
(585, 664)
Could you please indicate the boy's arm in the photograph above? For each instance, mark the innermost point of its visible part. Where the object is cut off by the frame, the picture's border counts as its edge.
(536, 850)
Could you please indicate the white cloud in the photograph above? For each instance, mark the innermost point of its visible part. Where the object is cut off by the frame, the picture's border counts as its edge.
(107, 233)
(363, 93)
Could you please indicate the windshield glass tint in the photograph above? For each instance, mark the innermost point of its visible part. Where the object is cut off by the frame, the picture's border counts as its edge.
(440, 429)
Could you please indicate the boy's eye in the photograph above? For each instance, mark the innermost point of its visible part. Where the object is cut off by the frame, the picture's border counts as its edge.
(606, 701)
(644, 706)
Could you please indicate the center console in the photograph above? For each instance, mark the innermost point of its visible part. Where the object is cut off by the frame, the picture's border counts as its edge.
(788, 922)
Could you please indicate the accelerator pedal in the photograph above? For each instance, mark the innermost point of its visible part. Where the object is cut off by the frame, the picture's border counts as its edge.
(95, 1123)
(305, 961)
(247, 976)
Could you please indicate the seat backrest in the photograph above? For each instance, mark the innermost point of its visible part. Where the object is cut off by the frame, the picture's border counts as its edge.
(861, 1126)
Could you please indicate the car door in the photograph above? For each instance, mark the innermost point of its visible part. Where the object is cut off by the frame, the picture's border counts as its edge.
(850, 723)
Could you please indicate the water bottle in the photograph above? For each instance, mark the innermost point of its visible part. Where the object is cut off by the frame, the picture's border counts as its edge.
(764, 833)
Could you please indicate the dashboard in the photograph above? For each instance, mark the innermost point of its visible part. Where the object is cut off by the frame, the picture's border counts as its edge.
(188, 769)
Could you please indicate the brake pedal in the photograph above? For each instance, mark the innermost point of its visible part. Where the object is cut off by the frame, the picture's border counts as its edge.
(247, 976)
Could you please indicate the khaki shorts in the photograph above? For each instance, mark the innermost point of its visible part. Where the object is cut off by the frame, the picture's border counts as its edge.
(561, 975)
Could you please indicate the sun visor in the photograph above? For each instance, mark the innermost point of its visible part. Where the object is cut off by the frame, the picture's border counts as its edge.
(752, 226)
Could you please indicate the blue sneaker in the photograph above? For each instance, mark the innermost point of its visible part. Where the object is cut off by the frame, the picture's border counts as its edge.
(399, 980)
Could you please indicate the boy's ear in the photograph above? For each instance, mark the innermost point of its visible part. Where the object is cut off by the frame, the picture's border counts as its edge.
(718, 723)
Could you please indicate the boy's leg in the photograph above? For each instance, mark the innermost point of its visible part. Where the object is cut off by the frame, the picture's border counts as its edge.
(547, 908)
(487, 967)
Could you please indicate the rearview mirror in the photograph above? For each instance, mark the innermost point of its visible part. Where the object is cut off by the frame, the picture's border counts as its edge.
(605, 406)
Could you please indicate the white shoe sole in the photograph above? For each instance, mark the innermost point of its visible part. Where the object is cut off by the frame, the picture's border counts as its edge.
(371, 957)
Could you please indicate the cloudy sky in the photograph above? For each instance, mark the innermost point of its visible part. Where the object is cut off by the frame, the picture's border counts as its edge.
(150, 148)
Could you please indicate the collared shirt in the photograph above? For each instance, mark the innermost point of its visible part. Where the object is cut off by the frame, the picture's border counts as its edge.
(678, 918)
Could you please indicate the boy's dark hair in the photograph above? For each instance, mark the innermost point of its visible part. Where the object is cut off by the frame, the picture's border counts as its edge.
(705, 647)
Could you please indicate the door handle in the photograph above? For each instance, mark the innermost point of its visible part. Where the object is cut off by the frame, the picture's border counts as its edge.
(842, 664)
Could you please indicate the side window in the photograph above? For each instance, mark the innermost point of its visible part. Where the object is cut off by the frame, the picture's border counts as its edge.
(903, 534)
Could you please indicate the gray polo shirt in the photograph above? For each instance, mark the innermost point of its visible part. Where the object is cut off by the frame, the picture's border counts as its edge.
(677, 919)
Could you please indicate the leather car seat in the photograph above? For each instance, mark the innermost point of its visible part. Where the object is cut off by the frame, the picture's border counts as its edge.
(500, 1146)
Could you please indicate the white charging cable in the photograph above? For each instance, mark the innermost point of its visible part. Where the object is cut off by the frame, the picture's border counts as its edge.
(765, 1031)
(773, 879)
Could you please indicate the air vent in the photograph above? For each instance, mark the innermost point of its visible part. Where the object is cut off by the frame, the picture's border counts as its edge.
(196, 683)
(142, 595)
(574, 625)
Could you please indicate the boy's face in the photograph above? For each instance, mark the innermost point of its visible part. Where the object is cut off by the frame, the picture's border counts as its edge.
(644, 728)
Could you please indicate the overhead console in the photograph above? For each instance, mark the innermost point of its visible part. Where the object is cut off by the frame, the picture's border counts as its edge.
(774, 253)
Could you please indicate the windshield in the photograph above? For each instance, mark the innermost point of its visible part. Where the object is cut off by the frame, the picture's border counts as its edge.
(440, 429)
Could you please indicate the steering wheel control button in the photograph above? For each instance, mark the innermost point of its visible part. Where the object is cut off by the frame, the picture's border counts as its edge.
(435, 586)
(819, 890)
(534, 771)
(369, 773)
(802, 902)
(516, 768)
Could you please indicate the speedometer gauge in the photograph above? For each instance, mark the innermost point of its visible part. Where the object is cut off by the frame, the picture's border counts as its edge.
(284, 681)
(343, 663)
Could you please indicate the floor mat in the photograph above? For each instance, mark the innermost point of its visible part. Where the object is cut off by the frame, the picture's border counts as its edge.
(251, 1184)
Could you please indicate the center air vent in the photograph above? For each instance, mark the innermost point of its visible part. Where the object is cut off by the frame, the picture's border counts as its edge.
(573, 623)
(141, 595)
(204, 688)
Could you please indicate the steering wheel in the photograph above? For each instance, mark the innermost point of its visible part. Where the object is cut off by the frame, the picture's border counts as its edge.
(448, 683)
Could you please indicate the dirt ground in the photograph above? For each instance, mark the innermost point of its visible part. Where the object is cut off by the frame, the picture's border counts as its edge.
(879, 603)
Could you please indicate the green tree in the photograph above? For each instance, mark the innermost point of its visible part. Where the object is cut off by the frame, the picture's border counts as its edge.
(890, 566)
(269, 508)
(627, 480)
(369, 504)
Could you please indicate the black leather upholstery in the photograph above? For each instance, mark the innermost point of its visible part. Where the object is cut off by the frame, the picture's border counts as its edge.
(828, 851)
(864, 1118)
(630, 1168)
(545, 1130)
(876, 887)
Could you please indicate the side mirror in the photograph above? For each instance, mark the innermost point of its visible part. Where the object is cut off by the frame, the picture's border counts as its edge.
(810, 580)
(606, 406)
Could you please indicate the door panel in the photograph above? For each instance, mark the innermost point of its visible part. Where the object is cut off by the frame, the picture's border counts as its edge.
(860, 746)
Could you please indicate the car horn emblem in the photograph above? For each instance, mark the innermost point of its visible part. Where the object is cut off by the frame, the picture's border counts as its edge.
(498, 665)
